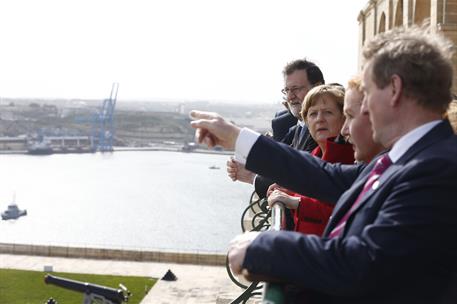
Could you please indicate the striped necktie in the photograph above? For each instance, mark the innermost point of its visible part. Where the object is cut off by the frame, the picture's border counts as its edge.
(381, 165)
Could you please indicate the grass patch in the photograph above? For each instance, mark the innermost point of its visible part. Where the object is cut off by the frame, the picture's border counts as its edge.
(28, 287)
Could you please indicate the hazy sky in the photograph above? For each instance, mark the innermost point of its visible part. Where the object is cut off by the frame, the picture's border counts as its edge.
(231, 50)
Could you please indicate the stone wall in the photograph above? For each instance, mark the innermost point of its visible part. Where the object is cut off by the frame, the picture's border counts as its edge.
(381, 15)
(195, 258)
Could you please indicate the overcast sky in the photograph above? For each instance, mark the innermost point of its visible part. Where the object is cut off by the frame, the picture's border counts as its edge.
(228, 50)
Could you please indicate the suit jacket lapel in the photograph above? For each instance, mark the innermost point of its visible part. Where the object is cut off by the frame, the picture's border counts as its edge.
(377, 186)
(347, 199)
(429, 139)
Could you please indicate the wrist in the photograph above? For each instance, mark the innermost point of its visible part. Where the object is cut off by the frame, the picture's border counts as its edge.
(236, 134)
(293, 203)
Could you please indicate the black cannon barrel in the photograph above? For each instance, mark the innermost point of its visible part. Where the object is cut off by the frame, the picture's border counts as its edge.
(114, 295)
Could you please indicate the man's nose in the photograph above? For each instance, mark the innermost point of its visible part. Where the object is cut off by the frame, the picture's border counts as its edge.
(364, 107)
(290, 96)
(345, 129)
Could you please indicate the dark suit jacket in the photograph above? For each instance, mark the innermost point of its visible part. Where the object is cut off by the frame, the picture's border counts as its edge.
(281, 124)
(296, 139)
(399, 246)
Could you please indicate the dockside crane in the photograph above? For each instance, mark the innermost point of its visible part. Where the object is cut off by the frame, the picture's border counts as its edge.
(105, 121)
(102, 122)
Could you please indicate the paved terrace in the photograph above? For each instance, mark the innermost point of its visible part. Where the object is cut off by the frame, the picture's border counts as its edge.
(196, 283)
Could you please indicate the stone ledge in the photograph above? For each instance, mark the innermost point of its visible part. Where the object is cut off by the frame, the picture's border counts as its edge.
(194, 258)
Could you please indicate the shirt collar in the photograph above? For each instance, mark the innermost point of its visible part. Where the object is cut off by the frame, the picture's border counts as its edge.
(406, 141)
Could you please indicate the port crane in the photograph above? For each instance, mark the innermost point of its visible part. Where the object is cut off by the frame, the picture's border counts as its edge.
(103, 123)
(104, 120)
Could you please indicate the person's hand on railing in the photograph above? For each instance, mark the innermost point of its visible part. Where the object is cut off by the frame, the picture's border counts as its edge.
(289, 201)
(237, 172)
(274, 187)
(237, 250)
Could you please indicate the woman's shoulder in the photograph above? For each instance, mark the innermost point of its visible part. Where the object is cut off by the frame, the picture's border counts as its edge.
(339, 152)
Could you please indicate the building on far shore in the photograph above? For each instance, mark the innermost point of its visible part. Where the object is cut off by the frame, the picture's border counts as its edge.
(382, 15)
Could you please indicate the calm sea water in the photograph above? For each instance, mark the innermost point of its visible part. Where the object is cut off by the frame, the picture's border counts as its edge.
(131, 200)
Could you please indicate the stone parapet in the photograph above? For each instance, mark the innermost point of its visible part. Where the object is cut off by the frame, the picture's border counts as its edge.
(194, 258)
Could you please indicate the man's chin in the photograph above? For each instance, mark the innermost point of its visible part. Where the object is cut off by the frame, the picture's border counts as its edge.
(357, 155)
(295, 110)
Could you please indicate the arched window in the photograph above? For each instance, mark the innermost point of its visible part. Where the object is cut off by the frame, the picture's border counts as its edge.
(421, 10)
(398, 18)
(382, 23)
(391, 12)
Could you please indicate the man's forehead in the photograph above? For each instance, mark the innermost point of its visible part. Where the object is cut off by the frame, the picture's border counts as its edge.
(297, 76)
(366, 72)
(351, 102)
(348, 106)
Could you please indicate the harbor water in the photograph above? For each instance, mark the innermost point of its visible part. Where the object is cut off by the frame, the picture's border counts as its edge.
(150, 200)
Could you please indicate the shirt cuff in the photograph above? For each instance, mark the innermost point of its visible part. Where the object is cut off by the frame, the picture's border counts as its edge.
(253, 180)
(246, 139)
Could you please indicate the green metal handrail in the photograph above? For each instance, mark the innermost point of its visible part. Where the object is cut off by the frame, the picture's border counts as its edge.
(263, 219)
(273, 293)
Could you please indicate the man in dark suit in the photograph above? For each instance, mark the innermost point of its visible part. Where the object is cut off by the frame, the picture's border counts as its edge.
(392, 237)
(299, 77)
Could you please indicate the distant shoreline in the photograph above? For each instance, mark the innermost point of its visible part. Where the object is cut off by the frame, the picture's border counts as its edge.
(171, 149)
(127, 149)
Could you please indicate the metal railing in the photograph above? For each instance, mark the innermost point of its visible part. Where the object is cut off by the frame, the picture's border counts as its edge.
(273, 293)
(257, 208)
(262, 219)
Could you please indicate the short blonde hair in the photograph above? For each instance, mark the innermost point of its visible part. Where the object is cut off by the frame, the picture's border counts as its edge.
(355, 83)
(336, 92)
(422, 59)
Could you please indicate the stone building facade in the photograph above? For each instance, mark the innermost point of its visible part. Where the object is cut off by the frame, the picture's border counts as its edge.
(381, 15)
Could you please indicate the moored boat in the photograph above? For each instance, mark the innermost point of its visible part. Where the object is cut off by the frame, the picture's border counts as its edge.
(13, 212)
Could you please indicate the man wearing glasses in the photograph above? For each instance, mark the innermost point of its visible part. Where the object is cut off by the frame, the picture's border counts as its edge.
(300, 76)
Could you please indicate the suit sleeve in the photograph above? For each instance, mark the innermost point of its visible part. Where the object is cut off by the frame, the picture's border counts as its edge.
(261, 185)
(300, 171)
(410, 237)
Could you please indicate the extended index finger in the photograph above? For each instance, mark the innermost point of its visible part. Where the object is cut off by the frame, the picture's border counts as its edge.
(195, 114)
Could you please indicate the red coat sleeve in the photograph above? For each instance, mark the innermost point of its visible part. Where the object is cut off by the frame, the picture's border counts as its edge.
(312, 215)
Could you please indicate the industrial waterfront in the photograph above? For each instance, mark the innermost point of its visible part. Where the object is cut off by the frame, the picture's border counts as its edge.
(130, 200)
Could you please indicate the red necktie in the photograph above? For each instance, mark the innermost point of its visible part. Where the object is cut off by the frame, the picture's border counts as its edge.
(381, 165)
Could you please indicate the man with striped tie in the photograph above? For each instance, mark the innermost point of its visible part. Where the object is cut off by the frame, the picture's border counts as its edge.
(392, 237)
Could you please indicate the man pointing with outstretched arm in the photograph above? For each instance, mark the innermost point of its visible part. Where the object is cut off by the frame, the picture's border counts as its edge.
(392, 237)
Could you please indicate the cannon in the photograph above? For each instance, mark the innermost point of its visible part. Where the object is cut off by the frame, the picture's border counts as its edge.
(93, 293)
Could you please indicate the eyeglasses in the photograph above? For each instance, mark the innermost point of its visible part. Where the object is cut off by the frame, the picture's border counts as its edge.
(287, 91)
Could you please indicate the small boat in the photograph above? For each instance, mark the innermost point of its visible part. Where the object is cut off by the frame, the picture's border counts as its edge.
(213, 167)
(13, 212)
(40, 148)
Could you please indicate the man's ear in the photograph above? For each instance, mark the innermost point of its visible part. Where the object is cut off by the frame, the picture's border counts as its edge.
(396, 84)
